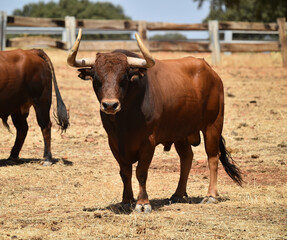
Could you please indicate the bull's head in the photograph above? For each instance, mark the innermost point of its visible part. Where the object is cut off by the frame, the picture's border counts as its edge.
(110, 73)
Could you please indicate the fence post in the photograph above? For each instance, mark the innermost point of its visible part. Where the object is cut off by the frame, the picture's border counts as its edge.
(228, 35)
(283, 39)
(70, 29)
(214, 41)
(143, 33)
(3, 24)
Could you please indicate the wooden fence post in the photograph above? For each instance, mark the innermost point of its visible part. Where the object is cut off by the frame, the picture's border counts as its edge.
(283, 39)
(214, 41)
(143, 32)
(70, 29)
(3, 24)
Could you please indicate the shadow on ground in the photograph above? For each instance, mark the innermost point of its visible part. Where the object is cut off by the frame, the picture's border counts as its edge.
(8, 162)
(157, 204)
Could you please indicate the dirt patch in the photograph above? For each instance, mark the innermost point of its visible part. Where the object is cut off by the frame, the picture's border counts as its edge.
(78, 197)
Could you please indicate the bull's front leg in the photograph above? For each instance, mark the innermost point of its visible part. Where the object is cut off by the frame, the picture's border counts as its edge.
(145, 157)
(126, 175)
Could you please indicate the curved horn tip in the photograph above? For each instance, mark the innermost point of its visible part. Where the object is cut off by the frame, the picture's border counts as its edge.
(146, 53)
(80, 33)
(73, 61)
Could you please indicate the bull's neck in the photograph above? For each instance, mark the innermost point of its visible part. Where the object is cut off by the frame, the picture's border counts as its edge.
(123, 126)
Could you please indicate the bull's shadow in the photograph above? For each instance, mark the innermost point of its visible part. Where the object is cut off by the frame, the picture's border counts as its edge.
(157, 204)
(7, 162)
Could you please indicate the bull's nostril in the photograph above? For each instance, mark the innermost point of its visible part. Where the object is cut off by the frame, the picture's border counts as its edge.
(110, 106)
(115, 105)
(105, 105)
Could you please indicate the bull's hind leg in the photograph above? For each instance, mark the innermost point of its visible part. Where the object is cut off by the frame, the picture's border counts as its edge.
(20, 122)
(43, 118)
(211, 140)
(185, 153)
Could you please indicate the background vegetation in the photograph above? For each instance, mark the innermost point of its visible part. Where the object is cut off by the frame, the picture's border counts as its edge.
(77, 8)
(81, 9)
(245, 10)
(224, 10)
(84, 9)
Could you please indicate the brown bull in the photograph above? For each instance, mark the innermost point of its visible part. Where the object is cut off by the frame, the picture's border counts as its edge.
(146, 102)
(25, 81)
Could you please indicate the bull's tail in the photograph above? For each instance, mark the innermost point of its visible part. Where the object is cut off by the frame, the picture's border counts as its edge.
(228, 163)
(62, 116)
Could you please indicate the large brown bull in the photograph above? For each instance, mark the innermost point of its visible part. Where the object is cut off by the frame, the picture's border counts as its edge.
(25, 81)
(146, 102)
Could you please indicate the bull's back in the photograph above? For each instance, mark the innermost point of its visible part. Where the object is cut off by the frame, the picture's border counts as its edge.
(183, 91)
(22, 79)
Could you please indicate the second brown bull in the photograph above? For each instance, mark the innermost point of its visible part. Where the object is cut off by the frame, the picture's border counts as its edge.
(145, 102)
(25, 81)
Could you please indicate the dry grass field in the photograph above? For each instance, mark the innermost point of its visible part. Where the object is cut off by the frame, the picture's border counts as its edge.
(79, 196)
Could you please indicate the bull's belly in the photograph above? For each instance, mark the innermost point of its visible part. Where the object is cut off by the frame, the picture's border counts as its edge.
(177, 127)
(8, 107)
(193, 139)
(192, 136)
(6, 110)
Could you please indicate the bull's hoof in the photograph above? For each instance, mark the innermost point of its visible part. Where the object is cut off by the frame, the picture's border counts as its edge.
(145, 208)
(126, 207)
(46, 163)
(177, 199)
(209, 200)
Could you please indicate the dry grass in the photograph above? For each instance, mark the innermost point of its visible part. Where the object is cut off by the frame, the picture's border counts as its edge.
(77, 198)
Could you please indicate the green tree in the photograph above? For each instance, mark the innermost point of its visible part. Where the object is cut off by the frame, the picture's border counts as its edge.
(169, 36)
(81, 9)
(78, 8)
(245, 10)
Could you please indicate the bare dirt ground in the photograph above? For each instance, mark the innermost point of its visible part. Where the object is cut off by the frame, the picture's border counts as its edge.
(78, 197)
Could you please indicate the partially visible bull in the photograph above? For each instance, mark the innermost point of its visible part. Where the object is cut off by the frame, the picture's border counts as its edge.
(146, 102)
(25, 81)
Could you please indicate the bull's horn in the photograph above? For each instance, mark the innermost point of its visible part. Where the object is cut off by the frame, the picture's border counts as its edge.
(147, 55)
(83, 62)
(137, 62)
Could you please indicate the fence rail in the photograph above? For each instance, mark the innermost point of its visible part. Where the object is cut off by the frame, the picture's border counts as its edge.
(69, 26)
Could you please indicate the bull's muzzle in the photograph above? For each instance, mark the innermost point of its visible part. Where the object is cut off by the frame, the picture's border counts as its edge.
(110, 106)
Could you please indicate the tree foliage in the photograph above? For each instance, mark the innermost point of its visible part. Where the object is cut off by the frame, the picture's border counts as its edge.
(245, 10)
(169, 36)
(78, 8)
(81, 9)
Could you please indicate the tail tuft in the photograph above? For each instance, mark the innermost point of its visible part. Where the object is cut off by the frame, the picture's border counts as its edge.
(62, 117)
(229, 164)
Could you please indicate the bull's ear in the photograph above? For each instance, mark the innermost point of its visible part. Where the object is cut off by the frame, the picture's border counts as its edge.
(86, 74)
(136, 74)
